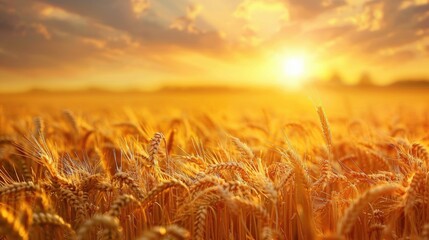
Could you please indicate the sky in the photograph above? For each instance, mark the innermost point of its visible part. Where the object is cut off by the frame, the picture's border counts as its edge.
(151, 43)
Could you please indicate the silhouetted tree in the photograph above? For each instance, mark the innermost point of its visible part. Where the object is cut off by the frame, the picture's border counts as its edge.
(336, 79)
(365, 80)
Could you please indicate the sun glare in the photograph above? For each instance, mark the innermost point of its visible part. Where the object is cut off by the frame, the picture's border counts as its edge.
(294, 67)
(294, 70)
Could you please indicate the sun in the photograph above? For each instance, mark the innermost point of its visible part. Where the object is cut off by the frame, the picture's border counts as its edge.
(294, 70)
(294, 67)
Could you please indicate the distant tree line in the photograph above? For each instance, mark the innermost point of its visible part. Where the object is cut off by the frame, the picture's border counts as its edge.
(365, 80)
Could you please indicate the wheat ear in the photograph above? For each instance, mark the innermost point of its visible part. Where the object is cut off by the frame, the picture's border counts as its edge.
(11, 226)
(120, 203)
(71, 120)
(245, 151)
(113, 229)
(200, 223)
(352, 213)
(232, 166)
(160, 189)
(154, 146)
(170, 143)
(53, 219)
(425, 232)
(325, 128)
(39, 128)
(122, 177)
(16, 188)
(171, 232)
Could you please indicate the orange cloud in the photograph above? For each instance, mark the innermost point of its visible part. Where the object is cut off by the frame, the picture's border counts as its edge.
(42, 30)
(187, 22)
(140, 6)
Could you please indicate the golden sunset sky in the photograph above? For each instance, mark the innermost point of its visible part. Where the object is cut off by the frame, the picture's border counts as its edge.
(151, 43)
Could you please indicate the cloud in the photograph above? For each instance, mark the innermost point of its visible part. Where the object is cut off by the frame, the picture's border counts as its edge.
(145, 29)
(297, 10)
(397, 27)
(187, 23)
(139, 7)
(309, 9)
(42, 30)
(245, 9)
(258, 16)
(51, 36)
(375, 25)
(249, 35)
(60, 35)
(371, 17)
(32, 40)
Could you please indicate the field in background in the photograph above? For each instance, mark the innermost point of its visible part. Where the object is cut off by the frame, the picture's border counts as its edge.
(344, 164)
(350, 100)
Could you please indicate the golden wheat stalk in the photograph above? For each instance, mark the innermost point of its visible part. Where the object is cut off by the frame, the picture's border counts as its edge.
(200, 223)
(302, 197)
(170, 143)
(203, 183)
(325, 128)
(251, 207)
(39, 128)
(232, 166)
(416, 190)
(10, 226)
(43, 203)
(172, 232)
(71, 121)
(58, 181)
(43, 219)
(299, 167)
(352, 213)
(212, 195)
(245, 151)
(74, 201)
(89, 182)
(122, 177)
(7, 140)
(154, 146)
(425, 232)
(17, 188)
(120, 203)
(376, 227)
(418, 150)
(152, 194)
(25, 167)
(267, 233)
(111, 224)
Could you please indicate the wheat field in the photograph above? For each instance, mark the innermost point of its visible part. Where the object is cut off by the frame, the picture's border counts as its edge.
(215, 166)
